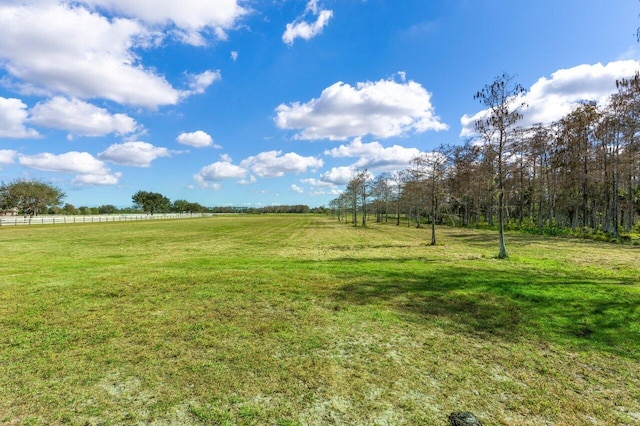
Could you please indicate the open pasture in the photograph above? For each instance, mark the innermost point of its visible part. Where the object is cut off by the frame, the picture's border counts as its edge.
(301, 320)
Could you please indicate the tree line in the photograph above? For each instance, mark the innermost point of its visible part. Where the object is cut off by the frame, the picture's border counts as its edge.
(153, 202)
(36, 197)
(578, 175)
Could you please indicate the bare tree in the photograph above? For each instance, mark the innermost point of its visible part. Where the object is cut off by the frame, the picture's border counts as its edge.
(433, 166)
(628, 97)
(416, 187)
(357, 192)
(399, 178)
(381, 190)
(462, 180)
(351, 194)
(503, 101)
(363, 186)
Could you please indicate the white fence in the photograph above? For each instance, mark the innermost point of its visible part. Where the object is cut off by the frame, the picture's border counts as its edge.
(62, 219)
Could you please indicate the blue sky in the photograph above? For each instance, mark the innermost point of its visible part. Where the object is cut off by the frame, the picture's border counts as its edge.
(261, 102)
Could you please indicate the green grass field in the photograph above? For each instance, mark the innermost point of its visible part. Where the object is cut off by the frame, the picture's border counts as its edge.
(300, 320)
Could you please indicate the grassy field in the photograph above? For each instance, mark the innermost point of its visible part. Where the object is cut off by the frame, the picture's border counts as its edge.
(300, 320)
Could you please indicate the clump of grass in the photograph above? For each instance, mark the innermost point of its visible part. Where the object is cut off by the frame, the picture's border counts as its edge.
(300, 320)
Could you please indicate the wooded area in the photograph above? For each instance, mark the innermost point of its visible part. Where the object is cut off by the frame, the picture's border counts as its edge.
(581, 173)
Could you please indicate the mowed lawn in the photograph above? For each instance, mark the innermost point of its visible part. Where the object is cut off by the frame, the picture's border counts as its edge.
(301, 320)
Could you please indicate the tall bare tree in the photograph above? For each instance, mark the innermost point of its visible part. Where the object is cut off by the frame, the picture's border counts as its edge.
(381, 191)
(433, 166)
(363, 180)
(628, 97)
(462, 181)
(398, 178)
(504, 104)
(416, 187)
(351, 194)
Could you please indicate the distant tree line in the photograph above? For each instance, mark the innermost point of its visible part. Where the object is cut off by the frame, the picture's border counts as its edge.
(578, 175)
(35, 197)
(151, 202)
(298, 208)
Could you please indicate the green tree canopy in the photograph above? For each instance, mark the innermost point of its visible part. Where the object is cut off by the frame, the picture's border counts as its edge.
(151, 202)
(184, 206)
(107, 209)
(30, 196)
(69, 209)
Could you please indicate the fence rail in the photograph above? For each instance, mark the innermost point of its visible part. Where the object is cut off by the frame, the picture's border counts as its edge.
(68, 219)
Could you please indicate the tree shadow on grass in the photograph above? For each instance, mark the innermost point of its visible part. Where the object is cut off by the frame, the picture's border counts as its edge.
(485, 238)
(577, 310)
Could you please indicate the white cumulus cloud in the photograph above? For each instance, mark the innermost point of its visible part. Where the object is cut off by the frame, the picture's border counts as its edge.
(550, 99)
(8, 156)
(88, 169)
(88, 49)
(197, 139)
(301, 28)
(296, 188)
(70, 162)
(338, 175)
(374, 156)
(13, 115)
(321, 187)
(80, 118)
(194, 19)
(137, 154)
(199, 83)
(265, 164)
(383, 109)
(210, 176)
(275, 164)
(97, 179)
(306, 30)
(56, 48)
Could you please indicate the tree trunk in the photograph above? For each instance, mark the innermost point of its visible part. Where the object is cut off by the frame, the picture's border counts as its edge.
(433, 228)
(490, 212)
(585, 190)
(502, 252)
(629, 222)
(433, 208)
(614, 189)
